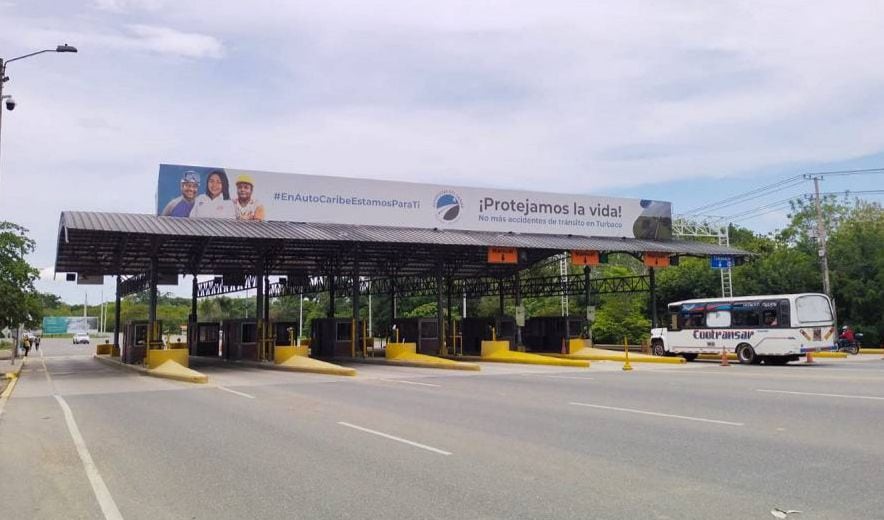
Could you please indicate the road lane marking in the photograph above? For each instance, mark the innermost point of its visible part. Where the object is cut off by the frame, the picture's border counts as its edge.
(394, 438)
(871, 397)
(409, 382)
(102, 494)
(658, 414)
(560, 377)
(241, 394)
(99, 488)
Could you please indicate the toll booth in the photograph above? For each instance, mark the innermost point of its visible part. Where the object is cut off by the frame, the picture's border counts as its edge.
(208, 339)
(423, 331)
(475, 330)
(545, 334)
(281, 332)
(239, 340)
(333, 337)
(135, 340)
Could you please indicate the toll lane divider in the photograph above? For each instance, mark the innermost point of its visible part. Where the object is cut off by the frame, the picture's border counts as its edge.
(165, 367)
(871, 351)
(581, 349)
(499, 352)
(406, 354)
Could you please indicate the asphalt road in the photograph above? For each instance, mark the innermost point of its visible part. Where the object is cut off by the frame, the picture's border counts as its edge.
(513, 441)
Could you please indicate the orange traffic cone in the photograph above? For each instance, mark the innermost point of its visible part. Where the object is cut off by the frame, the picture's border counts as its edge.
(809, 360)
(564, 347)
(724, 360)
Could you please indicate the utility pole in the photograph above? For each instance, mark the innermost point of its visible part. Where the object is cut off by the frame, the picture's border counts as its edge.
(821, 234)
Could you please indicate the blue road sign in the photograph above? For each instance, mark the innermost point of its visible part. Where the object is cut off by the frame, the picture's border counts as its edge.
(721, 262)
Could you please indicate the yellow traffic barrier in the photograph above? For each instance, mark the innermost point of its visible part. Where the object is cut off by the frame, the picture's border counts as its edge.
(172, 369)
(581, 349)
(282, 354)
(406, 353)
(499, 351)
(156, 357)
(104, 349)
(829, 354)
(298, 363)
(871, 351)
(626, 366)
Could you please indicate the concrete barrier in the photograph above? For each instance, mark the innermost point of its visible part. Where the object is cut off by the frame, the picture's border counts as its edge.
(499, 352)
(282, 354)
(104, 349)
(406, 354)
(156, 357)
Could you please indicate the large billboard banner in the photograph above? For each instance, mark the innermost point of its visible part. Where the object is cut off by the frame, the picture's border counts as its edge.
(208, 192)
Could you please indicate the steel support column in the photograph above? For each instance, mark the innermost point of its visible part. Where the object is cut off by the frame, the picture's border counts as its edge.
(191, 320)
(653, 299)
(440, 318)
(332, 288)
(117, 316)
(518, 297)
(152, 301)
(355, 297)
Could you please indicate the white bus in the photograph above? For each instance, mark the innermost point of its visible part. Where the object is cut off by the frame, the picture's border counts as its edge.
(775, 329)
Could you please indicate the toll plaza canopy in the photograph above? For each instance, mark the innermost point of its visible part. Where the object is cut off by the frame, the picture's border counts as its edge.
(95, 243)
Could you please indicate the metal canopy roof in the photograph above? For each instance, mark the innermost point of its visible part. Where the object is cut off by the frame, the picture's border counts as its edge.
(123, 243)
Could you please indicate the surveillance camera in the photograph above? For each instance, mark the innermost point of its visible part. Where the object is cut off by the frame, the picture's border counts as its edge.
(10, 103)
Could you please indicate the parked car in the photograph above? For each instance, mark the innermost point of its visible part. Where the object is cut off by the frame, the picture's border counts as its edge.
(81, 337)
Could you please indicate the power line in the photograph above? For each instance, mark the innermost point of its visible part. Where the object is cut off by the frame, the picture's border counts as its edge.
(839, 173)
(782, 184)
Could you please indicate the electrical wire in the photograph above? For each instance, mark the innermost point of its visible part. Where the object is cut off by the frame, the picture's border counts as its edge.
(763, 190)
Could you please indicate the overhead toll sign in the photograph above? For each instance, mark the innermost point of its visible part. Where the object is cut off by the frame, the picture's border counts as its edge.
(503, 255)
(213, 192)
(585, 258)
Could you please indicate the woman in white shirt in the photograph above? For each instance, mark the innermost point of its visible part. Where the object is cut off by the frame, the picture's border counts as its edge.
(215, 202)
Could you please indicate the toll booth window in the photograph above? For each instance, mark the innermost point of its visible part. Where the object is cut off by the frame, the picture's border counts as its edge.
(208, 334)
(344, 331)
(429, 330)
(141, 334)
(507, 329)
(718, 319)
(249, 333)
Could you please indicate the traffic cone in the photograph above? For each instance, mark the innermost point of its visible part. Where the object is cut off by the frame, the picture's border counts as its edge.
(724, 360)
(809, 360)
(564, 346)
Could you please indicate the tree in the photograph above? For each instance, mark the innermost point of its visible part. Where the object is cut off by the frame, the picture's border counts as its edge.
(19, 301)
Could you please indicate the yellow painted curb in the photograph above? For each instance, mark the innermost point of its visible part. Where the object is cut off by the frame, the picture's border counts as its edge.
(499, 352)
(838, 355)
(306, 364)
(13, 379)
(157, 358)
(406, 354)
(282, 354)
(716, 357)
(599, 354)
(171, 369)
(871, 351)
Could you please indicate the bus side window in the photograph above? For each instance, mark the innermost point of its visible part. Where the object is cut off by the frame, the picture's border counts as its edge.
(673, 324)
(745, 317)
(694, 320)
(785, 315)
(769, 318)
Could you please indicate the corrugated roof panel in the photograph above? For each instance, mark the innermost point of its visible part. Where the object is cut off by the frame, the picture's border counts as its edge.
(322, 232)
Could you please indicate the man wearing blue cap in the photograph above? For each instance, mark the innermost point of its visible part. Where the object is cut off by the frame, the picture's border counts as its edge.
(182, 205)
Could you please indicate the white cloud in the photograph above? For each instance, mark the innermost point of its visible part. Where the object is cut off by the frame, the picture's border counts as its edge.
(169, 41)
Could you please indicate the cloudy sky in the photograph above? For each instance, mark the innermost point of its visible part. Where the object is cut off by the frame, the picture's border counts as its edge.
(688, 101)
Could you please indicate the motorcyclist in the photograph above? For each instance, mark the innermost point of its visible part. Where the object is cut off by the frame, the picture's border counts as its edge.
(847, 334)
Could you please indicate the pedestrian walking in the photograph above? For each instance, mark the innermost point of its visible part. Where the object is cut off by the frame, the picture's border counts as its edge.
(26, 343)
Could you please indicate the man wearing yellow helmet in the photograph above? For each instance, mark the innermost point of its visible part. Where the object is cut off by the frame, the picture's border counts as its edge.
(247, 208)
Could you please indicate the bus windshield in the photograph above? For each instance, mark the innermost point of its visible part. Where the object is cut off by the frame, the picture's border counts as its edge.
(813, 308)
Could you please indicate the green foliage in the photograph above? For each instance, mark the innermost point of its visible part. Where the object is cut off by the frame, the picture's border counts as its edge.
(19, 301)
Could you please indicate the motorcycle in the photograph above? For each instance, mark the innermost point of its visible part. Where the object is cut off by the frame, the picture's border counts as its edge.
(851, 347)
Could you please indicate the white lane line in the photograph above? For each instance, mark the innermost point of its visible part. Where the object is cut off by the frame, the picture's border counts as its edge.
(658, 414)
(394, 438)
(241, 394)
(409, 382)
(105, 500)
(872, 397)
(561, 377)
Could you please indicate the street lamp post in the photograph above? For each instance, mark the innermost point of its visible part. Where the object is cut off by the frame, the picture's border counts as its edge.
(7, 100)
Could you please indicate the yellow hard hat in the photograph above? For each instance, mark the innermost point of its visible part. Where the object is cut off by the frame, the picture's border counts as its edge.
(244, 179)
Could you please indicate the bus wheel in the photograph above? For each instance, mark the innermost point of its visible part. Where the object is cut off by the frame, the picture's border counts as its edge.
(689, 357)
(746, 354)
(658, 348)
